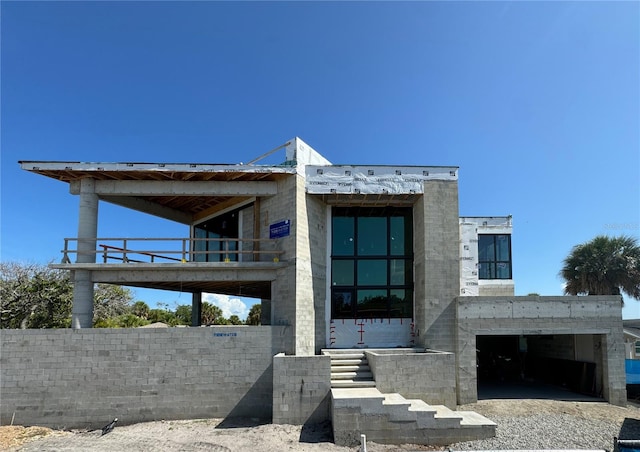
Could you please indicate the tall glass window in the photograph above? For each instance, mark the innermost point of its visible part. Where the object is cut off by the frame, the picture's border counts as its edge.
(224, 226)
(494, 256)
(372, 262)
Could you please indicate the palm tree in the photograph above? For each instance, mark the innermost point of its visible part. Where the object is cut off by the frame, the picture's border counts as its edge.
(603, 266)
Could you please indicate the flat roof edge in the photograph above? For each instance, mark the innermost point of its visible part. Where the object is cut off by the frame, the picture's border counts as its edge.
(35, 165)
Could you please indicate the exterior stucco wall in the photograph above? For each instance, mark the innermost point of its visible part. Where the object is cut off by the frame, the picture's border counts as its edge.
(600, 316)
(78, 378)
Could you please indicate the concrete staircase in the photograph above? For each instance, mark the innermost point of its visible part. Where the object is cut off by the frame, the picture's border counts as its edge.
(392, 419)
(350, 369)
(357, 407)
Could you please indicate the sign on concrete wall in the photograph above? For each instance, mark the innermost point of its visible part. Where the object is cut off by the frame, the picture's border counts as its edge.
(280, 229)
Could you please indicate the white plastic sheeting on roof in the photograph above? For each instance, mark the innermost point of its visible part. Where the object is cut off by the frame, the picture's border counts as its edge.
(373, 179)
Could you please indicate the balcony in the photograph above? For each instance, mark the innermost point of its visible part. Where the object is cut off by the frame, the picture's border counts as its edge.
(241, 267)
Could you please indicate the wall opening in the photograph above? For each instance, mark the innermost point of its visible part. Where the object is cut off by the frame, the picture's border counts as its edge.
(538, 366)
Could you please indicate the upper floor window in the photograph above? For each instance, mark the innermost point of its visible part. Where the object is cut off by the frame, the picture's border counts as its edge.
(494, 256)
(210, 238)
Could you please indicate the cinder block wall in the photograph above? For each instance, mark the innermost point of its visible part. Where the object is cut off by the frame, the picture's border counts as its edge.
(301, 389)
(427, 376)
(317, 222)
(83, 378)
(305, 320)
(557, 347)
(436, 264)
(283, 289)
(600, 316)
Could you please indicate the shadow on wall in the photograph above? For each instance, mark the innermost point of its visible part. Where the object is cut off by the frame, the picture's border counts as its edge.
(315, 433)
(317, 428)
(256, 405)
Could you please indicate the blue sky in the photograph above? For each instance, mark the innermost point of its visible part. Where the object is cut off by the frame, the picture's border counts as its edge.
(538, 103)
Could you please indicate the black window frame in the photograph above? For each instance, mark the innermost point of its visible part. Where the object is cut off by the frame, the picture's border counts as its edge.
(493, 263)
(211, 228)
(352, 311)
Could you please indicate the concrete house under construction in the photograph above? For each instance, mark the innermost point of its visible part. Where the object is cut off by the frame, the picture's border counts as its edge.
(379, 301)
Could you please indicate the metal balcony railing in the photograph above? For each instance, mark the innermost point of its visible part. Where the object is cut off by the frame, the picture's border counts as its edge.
(170, 250)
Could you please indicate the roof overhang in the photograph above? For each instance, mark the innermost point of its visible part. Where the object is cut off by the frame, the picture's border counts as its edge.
(182, 192)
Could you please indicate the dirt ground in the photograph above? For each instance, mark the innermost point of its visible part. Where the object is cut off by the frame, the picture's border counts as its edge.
(251, 435)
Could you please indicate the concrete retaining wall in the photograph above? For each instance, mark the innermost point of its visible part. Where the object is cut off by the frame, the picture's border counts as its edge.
(301, 389)
(429, 376)
(82, 378)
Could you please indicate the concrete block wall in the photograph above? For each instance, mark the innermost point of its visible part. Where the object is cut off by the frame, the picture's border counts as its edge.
(301, 282)
(301, 389)
(600, 316)
(548, 346)
(496, 290)
(81, 378)
(247, 216)
(436, 264)
(283, 290)
(317, 228)
(429, 376)
(304, 291)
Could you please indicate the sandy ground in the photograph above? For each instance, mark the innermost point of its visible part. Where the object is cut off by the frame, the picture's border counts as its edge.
(250, 435)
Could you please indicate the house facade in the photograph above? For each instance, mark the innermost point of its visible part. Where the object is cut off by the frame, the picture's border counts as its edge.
(367, 257)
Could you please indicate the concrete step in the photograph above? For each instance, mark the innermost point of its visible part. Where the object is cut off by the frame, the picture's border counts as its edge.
(355, 397)
(350, 368)
(471, 418)
(339, 351)
(341, 356)
(348, 362)
(397, 408)
(353, 384)
(352, 376)
(392, 419)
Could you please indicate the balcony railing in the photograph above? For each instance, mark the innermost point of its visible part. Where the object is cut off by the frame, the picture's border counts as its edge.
(170, 250)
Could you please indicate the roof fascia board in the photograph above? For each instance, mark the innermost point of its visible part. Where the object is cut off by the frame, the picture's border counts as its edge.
(35, 166)
(179, 188)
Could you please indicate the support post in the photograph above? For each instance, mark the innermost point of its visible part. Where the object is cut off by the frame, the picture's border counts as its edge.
(196, 309)
(82, 312)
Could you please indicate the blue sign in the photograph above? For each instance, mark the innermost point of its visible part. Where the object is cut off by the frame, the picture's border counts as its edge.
(280, 229)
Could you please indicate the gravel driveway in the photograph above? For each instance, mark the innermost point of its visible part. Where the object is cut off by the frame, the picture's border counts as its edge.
(522, 424)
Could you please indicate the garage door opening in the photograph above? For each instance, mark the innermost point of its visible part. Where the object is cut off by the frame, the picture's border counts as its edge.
(538, 366)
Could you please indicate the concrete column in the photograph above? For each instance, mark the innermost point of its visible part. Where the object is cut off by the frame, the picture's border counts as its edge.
(82, 312)
(196, 309)
(87, 222)
(437, 264)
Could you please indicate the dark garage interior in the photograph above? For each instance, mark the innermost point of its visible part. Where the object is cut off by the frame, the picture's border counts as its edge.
(537, 366)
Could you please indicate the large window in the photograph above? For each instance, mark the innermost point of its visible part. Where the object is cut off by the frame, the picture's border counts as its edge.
(372, 263)
(494, 256)
(224, 226)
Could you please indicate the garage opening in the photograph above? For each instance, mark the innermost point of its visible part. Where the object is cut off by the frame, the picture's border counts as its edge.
(538, 366)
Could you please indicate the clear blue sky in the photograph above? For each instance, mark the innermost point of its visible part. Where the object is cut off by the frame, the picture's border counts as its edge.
(538, 103)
